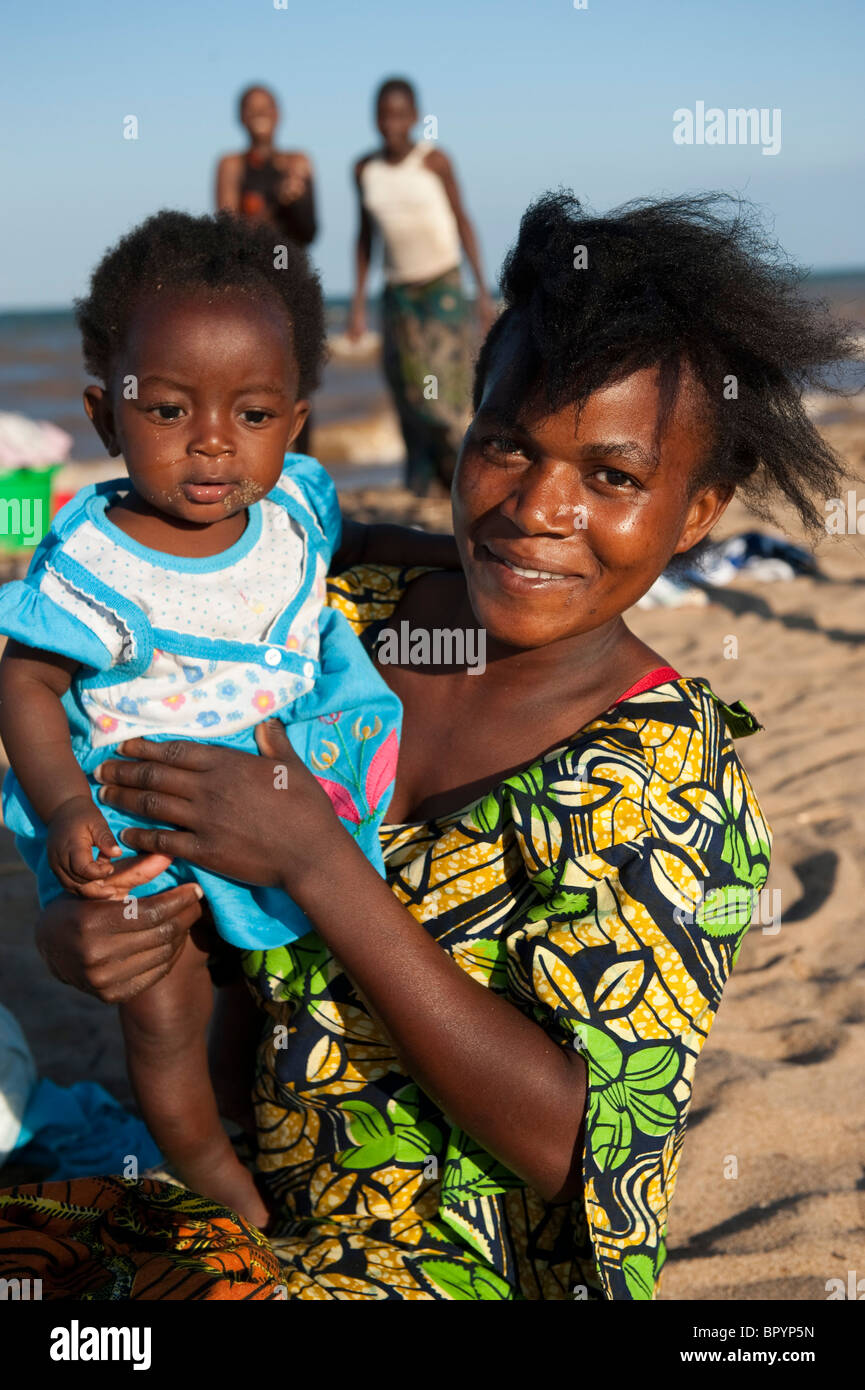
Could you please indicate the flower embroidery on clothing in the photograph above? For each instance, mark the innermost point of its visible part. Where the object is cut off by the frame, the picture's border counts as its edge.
(174, 701)
(264, 700)
(192, 673)
(207, 718)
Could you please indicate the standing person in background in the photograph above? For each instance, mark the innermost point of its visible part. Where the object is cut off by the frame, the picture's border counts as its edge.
(409, 196)
(269, 185)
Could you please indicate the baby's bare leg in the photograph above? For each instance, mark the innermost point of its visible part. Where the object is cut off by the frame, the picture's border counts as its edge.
(165, 1032)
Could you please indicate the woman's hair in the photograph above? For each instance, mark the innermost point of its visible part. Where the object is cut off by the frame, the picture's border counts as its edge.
(690, 280)
(248, 91)
(396, 84)
(175, 251)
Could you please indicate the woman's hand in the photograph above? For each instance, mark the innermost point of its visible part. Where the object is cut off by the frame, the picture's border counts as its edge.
(104, 949)
(356, 321)
(256, 820)
(487, 312)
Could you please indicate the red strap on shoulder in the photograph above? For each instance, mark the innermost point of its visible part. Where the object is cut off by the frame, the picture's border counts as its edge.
(659, 676)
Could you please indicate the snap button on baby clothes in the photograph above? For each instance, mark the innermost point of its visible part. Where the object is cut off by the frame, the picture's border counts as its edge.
(308, 669)
(272, 656)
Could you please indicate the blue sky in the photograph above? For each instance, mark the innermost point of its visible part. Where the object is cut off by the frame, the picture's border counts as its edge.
(527, 95)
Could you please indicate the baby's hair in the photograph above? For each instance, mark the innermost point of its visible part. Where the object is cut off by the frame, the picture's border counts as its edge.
(690, 280)
(399, 85)
(173, 251)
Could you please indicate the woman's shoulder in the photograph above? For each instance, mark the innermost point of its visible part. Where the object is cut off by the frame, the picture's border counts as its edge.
(656, 765)
(294, 161)
(674, 732)
(684, 701)
(369, 594)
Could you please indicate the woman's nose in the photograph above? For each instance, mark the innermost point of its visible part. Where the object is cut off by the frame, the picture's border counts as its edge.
(546, 498)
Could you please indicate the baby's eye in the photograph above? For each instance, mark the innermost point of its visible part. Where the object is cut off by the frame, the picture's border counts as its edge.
(165, 412)
(256, 417)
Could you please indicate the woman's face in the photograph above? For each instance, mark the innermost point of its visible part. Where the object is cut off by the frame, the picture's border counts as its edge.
(563, 522)
(259, 114)
(396, 116)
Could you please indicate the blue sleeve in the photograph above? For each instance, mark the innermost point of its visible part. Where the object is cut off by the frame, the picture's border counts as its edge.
(319, 493)
(35, 620)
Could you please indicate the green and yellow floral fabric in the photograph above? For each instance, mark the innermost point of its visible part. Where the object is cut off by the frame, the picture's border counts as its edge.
(605, 891)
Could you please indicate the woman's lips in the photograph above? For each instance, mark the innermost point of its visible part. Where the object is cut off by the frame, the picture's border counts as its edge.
(521, 578)
(206, 492)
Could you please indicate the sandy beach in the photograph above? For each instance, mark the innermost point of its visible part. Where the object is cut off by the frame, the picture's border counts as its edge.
(778, 1099)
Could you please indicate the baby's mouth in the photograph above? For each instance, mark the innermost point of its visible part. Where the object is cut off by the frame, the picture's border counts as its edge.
(207, 493)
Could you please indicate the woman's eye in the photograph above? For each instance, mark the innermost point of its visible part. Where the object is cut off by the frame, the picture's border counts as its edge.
(614, 478)
(165, 412)
(500, 445)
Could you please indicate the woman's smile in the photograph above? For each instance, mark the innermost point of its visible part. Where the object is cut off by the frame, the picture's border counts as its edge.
(518, 573)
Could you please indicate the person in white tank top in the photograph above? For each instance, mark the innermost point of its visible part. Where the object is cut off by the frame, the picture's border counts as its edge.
(410, 202)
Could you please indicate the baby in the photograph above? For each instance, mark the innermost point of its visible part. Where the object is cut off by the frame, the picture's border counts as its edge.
(188, 602)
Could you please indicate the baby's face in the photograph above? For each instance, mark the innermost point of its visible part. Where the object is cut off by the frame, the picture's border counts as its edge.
(202, 403)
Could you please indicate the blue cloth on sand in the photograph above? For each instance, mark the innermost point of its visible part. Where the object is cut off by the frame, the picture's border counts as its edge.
(76, 1131)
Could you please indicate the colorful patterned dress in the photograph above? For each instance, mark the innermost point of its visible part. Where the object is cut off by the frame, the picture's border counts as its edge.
(604, 890)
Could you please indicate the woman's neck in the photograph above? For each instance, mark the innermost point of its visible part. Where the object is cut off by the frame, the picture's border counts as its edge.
(396, 154)
(261, 149)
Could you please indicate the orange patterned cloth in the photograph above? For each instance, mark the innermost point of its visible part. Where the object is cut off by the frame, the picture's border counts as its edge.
(108, 1238)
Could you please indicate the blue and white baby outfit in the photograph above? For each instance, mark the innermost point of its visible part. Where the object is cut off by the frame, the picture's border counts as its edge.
(205, 649)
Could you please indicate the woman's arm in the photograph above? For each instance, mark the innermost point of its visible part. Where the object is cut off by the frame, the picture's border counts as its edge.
(439, 163)
(393, 545)
(229, 173)
(493, 1071)
(296, 196)
(362, 258)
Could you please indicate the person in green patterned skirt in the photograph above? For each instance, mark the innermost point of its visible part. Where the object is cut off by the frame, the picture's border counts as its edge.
(409, 199)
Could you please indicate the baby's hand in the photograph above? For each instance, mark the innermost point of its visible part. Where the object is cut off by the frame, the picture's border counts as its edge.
(75, 830)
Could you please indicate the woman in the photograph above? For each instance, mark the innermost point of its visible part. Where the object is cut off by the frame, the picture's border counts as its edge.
(473, 1082)
(269, 185)
(262, 182)
(409, 198)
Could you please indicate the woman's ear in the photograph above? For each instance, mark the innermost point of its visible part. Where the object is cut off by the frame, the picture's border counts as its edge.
(97, 404)
(705, 510)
